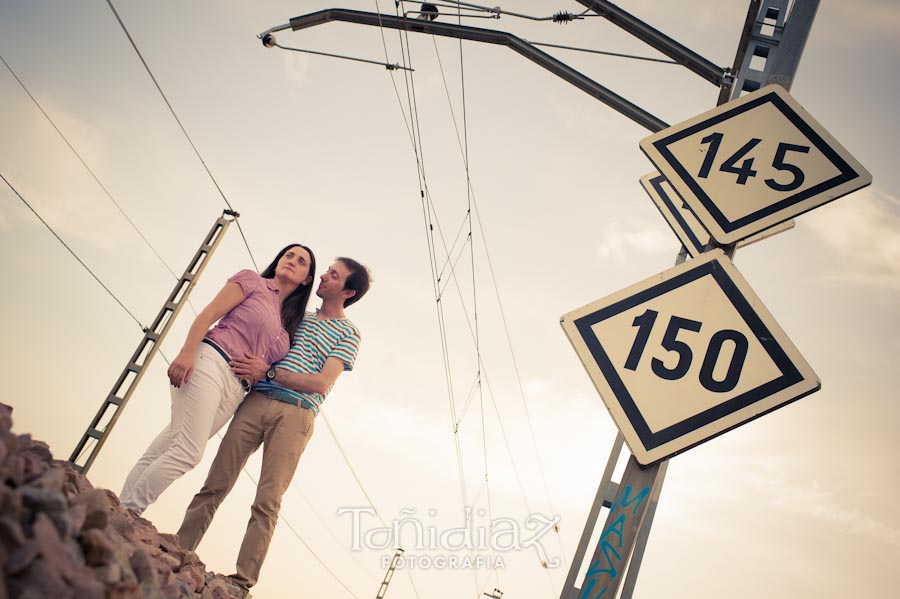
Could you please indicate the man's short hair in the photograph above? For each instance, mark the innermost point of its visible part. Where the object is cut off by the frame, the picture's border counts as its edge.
(358, 280)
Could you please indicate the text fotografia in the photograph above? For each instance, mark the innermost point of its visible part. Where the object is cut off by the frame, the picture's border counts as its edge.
(440, 562)
(498, 536)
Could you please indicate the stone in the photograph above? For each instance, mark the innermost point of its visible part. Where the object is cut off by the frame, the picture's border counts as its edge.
(124, 590)
(21, 558)
(170, 561)
(169, 542)
(218, 589)
(52, 548)
(11, 534)
(5, 417)
(193, 575)
(13, 472)
(39, 581)
(11, 504)
(75, 484)
(88, 587)
(54, 479)
(189, 557)
(122, 524)
(142, 565)
(60, 538)
(97, 507)
(96, 546)
(178, 589)
(110, 572)
(77, 515)
(43, 500)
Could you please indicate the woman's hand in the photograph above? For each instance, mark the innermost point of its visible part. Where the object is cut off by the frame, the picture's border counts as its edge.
(180, 369)
(250, 367)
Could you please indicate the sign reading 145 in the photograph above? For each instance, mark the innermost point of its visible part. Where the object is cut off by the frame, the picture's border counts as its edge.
(793, 180)
(753, 163)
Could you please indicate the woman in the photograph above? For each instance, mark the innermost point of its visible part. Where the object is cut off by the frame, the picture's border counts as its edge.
(256, 314)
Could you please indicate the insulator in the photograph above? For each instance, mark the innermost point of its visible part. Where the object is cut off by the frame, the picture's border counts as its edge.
(563, 17)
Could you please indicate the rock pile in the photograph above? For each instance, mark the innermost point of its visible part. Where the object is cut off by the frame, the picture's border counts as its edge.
(60, 538)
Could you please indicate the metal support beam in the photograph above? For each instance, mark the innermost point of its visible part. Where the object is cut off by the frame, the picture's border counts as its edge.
(489, 36)
(657, 40)
(771, 51)
(628, 521)
(793, 42)
(606, 492)
(727, 87)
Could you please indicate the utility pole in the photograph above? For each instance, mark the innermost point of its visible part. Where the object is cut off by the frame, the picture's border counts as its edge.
(100, 427)
(768, 52)
(389, 574)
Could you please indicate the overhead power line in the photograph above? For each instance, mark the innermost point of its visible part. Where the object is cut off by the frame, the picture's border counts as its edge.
(180, 125)
(90, 171)
(71, 251)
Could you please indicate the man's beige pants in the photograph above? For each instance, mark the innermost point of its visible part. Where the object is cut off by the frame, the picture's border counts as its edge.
(283, 430)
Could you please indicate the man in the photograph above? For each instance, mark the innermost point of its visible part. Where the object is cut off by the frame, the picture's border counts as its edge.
(279, 413)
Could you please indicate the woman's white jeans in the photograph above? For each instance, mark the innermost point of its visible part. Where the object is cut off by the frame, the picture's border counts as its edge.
(199, 409)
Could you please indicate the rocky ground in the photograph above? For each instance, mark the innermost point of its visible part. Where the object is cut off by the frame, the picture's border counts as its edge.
(60, 538)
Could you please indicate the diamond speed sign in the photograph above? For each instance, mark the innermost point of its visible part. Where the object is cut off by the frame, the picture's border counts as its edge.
(685, 356)
(683, 222)
(752, 163)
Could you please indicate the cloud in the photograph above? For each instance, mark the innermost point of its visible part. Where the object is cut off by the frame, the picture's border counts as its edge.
(55, 183)
(810, 500)
(296, 70)
(863, 233)
(857, 24)
(623, 239)
(781, 484)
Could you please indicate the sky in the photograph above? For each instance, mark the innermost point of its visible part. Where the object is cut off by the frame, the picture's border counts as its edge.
(319, 150)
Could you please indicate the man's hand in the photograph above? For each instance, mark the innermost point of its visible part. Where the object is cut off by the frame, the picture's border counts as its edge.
(250, 367)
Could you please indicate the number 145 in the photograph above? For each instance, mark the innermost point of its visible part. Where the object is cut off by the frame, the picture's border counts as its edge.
(745, 170)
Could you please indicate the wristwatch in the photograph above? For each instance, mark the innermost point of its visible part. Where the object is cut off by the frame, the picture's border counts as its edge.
(270, 374)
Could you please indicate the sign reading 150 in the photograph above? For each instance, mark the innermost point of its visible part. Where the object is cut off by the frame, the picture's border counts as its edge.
(745, 170)
(670, 342)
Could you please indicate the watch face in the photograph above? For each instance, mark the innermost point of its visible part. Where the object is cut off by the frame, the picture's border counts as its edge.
(270, 375)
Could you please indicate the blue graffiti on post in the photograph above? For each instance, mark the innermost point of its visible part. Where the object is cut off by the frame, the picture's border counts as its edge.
(609, 554)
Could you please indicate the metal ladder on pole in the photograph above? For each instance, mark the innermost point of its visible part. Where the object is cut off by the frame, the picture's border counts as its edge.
(774, 46)
(389, 574)
(98, 431)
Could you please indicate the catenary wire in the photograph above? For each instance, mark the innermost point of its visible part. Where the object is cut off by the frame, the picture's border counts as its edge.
(180, 125)
(603, 52)
(331, 532)
(456, 422)
(388, 65)
(71, 251)
(414, 117)
(91, 172)
(470, 241)
(464, 151)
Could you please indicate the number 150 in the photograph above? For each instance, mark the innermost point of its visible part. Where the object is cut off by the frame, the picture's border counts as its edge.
(670, 342)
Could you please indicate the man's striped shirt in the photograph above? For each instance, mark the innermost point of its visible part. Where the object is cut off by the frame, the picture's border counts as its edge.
(314, 342)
